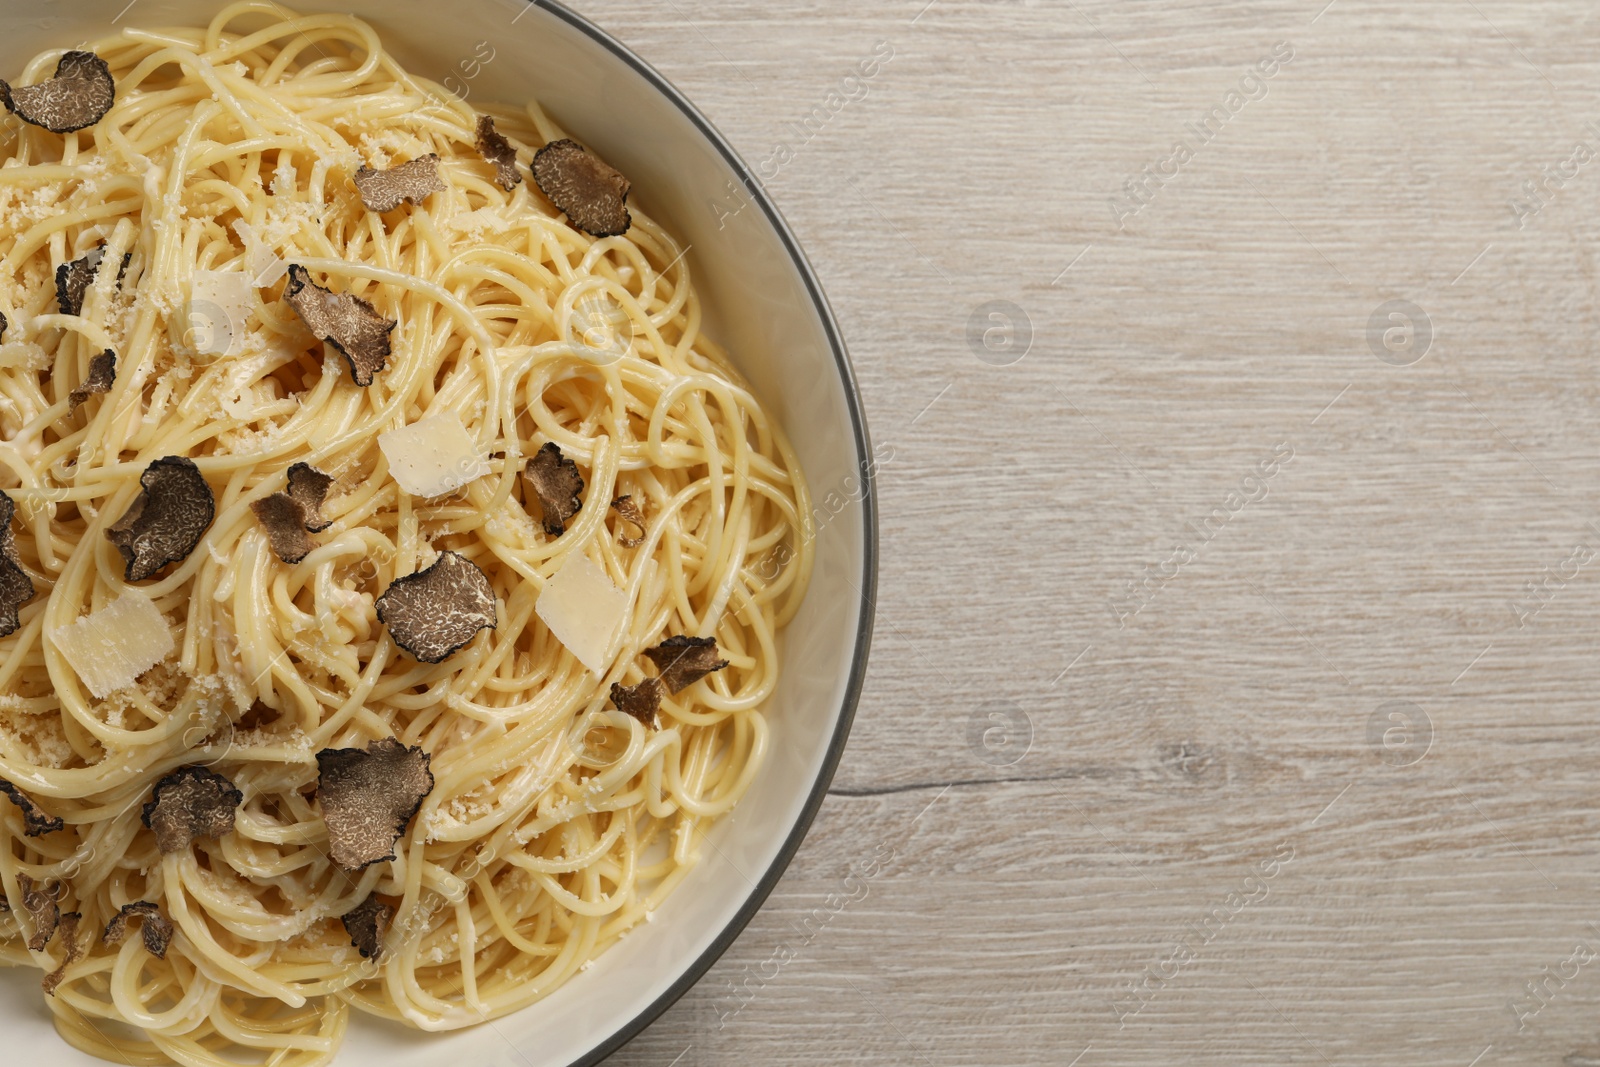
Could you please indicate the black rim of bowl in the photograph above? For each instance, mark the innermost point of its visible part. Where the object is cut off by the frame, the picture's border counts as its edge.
(869, 515)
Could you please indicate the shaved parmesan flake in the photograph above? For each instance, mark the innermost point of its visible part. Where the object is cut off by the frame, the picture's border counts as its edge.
(433, 457)
(111, 647)
(583, 609)
(220, 305)
(263, 264)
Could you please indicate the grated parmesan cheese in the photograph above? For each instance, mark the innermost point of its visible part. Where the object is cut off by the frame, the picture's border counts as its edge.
(24, 355)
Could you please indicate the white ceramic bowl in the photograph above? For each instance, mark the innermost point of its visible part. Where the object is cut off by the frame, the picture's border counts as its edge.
(762, 302)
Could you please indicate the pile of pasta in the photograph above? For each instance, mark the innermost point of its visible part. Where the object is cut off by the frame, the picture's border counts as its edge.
(387, 573)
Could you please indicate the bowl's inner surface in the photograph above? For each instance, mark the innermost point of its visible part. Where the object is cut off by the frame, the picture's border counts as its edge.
(759, 306)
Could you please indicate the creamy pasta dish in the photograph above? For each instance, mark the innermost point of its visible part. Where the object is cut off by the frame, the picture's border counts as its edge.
(386, 599)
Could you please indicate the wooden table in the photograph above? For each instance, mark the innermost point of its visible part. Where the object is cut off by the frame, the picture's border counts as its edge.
(1233, 699)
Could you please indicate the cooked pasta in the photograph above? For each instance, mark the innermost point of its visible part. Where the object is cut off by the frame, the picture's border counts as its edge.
(556, 820)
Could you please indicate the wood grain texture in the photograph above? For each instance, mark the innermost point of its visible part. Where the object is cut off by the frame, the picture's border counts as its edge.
(962, 904)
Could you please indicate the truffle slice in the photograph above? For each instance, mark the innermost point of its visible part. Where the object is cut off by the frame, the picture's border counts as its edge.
(8, 511)
(166, 520)
(683, 661)
(642, 701)
(102, 375)
(368, 796)
(493, 147)
(434, 612)
(557, 482)
(5, 324)
(69, 936)
(284, 519)
(385, 190)
(39, 901)
(189, 804)
(73, 280)
(79, 95)
(16, 588)
(592, 194)
(310, 487)
(345, 321)
(37, 821)
(155, 928)
(367, 923)
(630, 513)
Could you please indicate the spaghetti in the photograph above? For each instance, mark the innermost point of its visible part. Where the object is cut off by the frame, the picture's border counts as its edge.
(555, 821)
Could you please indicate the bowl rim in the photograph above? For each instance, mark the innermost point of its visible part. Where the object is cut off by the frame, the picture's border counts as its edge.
(869, 515)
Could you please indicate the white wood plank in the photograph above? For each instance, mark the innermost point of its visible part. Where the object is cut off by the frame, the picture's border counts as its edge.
(1228, 317)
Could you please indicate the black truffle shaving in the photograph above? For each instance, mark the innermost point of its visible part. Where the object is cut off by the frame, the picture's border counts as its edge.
(39, 901)
(385, 190)
(493, 146)
(79, 95)
(642, 701)
(557, 483)
(101, 377)
(73, 280)
(592, 194)
(630, 513)
(683, 661)
(433, 613)
(5, 324)
(156, 929)
(284, 519)
(189, 804)
(310, 487)
(367, 923)
(68, 930)
(166, 520)
(36, 821)
(347, 322)
(16, 588)
(368, 796)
